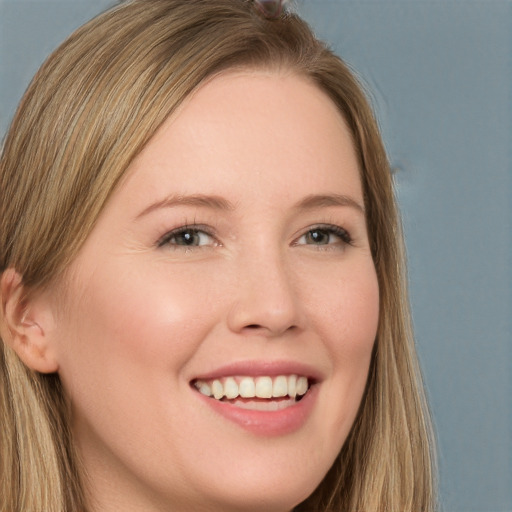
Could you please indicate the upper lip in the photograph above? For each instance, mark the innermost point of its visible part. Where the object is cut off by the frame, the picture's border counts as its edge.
(262, 368)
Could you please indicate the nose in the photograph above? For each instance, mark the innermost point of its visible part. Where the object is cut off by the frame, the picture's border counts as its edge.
(266, 301)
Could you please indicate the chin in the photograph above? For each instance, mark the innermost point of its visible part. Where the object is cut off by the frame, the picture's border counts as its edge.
(274, 497)
(271, 489)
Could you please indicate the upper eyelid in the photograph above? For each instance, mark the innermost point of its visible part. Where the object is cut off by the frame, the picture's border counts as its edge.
(329, 226)
(186, 227)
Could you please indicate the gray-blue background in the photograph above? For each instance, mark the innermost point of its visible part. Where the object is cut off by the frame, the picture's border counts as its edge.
(439, 74)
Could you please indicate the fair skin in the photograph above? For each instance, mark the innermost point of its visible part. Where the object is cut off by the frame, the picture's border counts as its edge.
(236, 246)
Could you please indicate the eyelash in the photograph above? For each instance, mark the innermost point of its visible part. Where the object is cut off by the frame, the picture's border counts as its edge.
(197, 229)
(193, 229)
(328, 229)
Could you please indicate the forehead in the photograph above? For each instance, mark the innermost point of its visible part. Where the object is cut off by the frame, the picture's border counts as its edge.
(256, 126)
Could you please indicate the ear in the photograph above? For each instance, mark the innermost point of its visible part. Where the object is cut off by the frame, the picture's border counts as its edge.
(25, 322)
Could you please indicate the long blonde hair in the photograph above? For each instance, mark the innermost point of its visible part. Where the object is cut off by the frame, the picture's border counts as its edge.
(88, 112)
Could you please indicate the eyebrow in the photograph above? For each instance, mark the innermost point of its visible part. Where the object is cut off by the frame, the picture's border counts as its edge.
(213, 202)
(324, 200)
(219, 203)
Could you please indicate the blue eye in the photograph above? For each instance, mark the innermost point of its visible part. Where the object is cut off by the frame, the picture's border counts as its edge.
(187, 237)
(325, 235)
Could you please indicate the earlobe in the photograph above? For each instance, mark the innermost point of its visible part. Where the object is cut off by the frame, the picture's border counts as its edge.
(25, 324)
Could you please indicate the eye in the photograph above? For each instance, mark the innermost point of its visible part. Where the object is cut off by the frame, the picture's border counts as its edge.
(325, 235)
(187, 237)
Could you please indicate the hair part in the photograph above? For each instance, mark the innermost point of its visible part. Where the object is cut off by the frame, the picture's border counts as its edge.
(88, 112)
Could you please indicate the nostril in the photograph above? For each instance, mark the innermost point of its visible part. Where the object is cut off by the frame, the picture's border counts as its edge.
(258, 328)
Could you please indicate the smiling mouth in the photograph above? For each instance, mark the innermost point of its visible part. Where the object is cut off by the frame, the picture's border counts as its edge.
(257, 393)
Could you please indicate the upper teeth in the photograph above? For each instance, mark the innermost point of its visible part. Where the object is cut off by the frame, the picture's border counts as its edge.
(254, 387)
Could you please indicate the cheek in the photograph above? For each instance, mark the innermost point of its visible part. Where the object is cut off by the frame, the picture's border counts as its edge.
(347, 318)
(146, 314)
(124, 345)
(356, 318)
(347, 311)
(122, 327)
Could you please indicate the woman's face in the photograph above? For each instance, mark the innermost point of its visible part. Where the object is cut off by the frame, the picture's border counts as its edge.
(233, 258)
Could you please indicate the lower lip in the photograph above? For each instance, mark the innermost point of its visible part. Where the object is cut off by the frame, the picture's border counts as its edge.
(266, 423)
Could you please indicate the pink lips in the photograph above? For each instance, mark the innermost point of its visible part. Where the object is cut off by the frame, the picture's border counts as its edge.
(255, 368)
(261, 422)
(266, 423)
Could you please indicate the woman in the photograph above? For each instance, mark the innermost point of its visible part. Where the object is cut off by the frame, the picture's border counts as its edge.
(203, 300)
